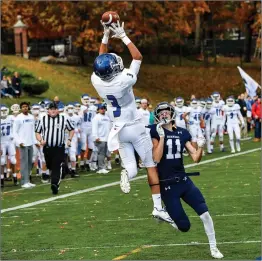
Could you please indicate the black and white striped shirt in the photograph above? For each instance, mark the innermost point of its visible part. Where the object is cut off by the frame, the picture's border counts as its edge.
(52, 129)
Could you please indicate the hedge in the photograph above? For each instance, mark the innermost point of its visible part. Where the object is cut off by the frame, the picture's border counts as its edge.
(34, 86)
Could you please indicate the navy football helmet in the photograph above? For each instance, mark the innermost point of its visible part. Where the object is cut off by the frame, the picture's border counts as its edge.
(107, 66)
(164, 106)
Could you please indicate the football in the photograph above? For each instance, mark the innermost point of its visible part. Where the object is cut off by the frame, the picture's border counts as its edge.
(110, 17)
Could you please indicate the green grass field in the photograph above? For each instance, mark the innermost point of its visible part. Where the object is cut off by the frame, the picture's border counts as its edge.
(104, 223)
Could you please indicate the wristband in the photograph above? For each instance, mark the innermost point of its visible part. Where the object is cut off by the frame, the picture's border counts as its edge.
(126, 40)
(105, 39)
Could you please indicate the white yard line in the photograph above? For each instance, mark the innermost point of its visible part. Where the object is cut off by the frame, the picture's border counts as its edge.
(43, 201)
(133, 246)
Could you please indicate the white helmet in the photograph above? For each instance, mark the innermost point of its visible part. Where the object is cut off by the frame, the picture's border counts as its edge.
(230, 101)
(77, 107)
(202, 103)
(35, 109)
(179, 102)
(215, 96)
(15, 108)
(194, 103)
(4, 111)
(209, 103)
(70, 108)
(85, 99)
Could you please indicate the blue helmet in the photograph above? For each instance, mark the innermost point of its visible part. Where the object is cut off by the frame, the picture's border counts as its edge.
(107, 66)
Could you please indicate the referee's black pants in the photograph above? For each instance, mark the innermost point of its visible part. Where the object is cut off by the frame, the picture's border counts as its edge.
(54, 157)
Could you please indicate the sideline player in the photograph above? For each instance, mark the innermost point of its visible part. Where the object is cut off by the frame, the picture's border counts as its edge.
(168, 144)
(114, 84)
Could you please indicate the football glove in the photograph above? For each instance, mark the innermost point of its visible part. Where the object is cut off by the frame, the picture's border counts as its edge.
(201, 142)
(160, 130)
(106, 29)
(118, 30)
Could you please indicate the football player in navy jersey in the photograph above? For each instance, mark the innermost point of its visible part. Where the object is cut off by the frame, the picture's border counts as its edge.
(168, 144)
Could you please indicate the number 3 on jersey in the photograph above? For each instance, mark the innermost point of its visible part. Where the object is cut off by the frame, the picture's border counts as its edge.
(114, 104)
(170, 154)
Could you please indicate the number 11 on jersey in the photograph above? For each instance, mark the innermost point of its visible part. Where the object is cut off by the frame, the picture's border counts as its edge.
(170, 154)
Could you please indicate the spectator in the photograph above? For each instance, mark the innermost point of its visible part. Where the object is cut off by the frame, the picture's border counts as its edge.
(144, 112)
(57, 101)
(16, 83)
(249, 103)
(4, 87)
(152, 118)
(11, 90)
(256, 114)
(24, 135)
(243, 110)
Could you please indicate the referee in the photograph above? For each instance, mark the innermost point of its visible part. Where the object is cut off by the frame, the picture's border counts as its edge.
(50, 132)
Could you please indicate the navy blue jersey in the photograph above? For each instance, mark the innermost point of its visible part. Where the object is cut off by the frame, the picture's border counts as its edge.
(171, 163)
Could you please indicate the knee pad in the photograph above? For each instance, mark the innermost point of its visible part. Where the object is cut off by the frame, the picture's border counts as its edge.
(238, 140)
(12, 159)
(131, 170)
(183, 225)
(72, 157)
(3, 160)
(201, 208)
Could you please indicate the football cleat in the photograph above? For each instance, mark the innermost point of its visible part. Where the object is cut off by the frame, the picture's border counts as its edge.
(31, 185)
(27, 185)
(215, 253)
(124, 182)
(162, 215)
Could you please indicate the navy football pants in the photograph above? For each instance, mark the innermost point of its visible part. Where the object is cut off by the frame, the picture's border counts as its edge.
(171, 194)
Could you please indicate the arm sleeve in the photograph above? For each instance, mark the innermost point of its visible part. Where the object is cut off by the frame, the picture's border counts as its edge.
(135, 66)
(153, 132)
(188, 136)
(16, 128)
(38, 128)
(69, 125)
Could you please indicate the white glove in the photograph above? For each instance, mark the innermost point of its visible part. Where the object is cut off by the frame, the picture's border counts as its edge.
(201, 142)
(106, 29)
(68, 143)
(160, 130)
(118, 30)
(106, 33)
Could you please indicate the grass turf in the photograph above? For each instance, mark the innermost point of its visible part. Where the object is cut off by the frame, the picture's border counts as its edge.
(106, 224)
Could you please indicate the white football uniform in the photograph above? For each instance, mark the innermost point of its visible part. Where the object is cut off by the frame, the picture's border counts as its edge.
(195, 115)
(128, 128)
(87, 114)
(7, 143)
(233, 115)
(145, 116)
(75, 120)
(207, 115)
(180, 121)
(217, 121)
(38, 151)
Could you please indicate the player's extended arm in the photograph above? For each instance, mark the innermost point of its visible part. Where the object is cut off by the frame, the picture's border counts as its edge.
(119, 33)
(158, 148)
(103, 46)
(196, 154)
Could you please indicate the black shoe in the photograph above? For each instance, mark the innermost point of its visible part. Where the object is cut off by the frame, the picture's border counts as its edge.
(30, 178)
(45, 178)
(87, 167)
(2, 183)
(82, 168)
(117, 160)
(74, 174)
(15, 181)
(54, 189)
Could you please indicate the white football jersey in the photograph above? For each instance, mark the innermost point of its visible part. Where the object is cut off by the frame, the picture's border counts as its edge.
(180, 121)
(87, 116)
(194, 115)
(76, 122)
(118, 94)
(233, 114)
(218, 116)
(208, 114)
(6, 129)
(145, 115)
